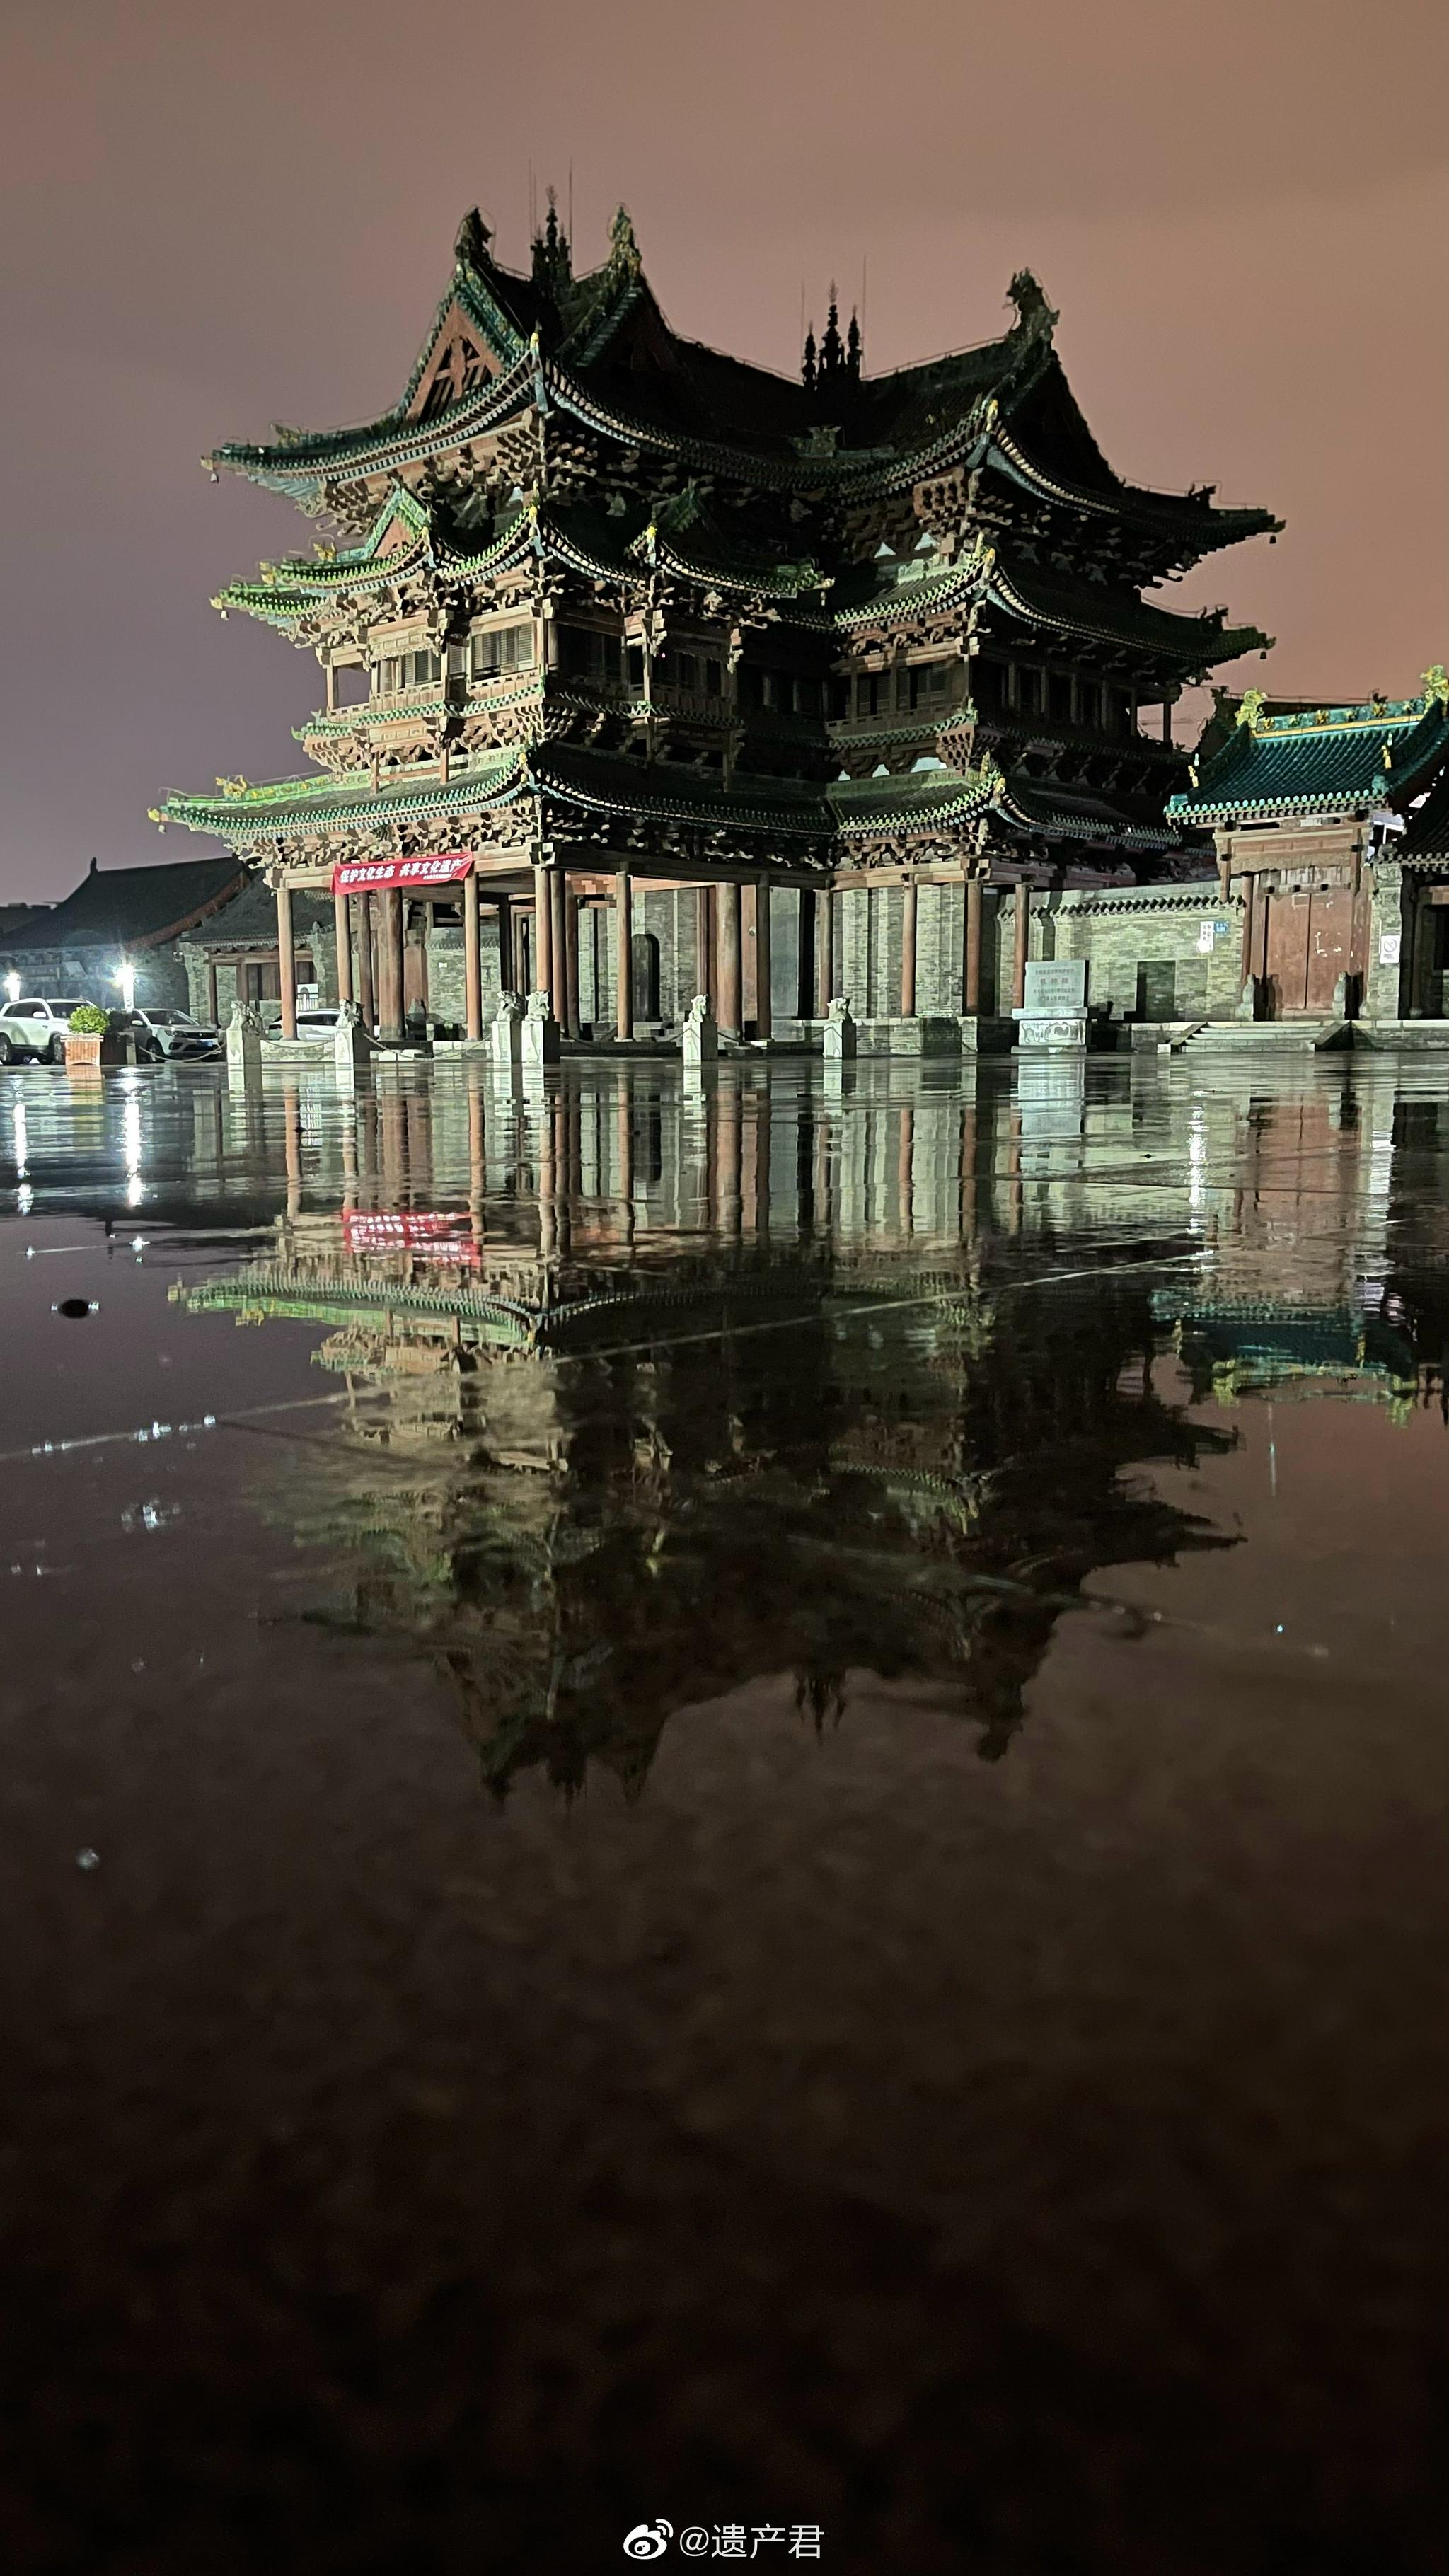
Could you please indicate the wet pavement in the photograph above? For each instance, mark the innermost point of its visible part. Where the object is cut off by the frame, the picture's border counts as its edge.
(726, 1805)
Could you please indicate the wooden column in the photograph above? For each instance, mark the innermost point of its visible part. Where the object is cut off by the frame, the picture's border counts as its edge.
(1419, 921)
(505, 945)
(971, 981)
(389, 965)
(908, 950)
(211, 990)
(574, 1021)
(1023, 937)
(542, 932)
(403, 909)
(824, 951)
(286, 958)
(730, 962)
(624, 954)
(764, 1015)
(1250, 924)
(472, 959)
(558, 946)
(366, 1001)
(705, 979)
(342, 915)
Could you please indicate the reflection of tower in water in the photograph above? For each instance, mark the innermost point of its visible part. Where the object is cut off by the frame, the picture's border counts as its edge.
(654, 1394)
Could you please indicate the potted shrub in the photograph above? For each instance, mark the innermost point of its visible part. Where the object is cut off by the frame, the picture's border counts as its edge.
(94, 1036)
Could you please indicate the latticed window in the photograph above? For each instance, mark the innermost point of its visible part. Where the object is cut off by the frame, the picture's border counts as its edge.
(399, 671)
(497, 650)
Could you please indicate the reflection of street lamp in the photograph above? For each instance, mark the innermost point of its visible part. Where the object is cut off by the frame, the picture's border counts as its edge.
(127, 981)
(12, 986)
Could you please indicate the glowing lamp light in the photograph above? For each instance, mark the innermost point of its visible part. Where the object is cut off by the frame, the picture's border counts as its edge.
(127, 981)
(12, 986)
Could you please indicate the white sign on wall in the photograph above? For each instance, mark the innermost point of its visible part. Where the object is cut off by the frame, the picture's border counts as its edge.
(1389, 945)
(1056, 984)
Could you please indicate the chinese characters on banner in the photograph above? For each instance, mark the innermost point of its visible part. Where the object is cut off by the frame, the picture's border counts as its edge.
(366, 876)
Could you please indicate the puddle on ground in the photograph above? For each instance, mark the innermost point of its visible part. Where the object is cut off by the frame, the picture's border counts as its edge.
(728, 1803)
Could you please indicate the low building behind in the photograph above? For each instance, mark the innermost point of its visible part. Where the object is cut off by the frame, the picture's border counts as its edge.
(119, 917)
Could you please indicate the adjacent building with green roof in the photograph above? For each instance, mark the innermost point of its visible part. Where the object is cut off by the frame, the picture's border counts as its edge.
(1329, 825)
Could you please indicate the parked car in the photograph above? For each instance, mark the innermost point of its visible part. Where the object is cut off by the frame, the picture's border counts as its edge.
(161, 1033)
(35, 1031)
(319, 1022)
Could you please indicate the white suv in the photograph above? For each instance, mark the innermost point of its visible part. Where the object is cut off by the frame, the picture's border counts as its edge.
(35, 1029)
(161, 1032)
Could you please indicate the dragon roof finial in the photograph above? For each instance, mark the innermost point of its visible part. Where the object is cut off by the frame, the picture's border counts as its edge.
(470, 248)
(623, 248)
(1033, 313)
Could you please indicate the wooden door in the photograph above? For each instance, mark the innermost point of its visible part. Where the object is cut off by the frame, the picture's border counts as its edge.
(1286, 954)
(1330, 938)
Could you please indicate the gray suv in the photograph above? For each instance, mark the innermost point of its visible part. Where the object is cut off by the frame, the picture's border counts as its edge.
(35, 1029)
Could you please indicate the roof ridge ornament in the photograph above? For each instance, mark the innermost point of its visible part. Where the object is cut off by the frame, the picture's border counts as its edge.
(623, 247)
(1034, 316)
(1250, 708)
(1436, 687)
(470, 246)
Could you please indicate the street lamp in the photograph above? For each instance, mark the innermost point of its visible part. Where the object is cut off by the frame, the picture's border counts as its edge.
(127, 981)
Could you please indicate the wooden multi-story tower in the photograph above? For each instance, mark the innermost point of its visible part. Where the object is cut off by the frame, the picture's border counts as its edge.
(606, 616)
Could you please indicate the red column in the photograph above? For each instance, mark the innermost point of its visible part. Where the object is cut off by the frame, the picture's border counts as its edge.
(472, 959)
(389, 965)
(365, 999)
(824, 951)
(558, 946)
(1023, 937)
(971, 983)
(908, 951)
(730, 964)
(574, 1020)
(542, 932)
(286, 958)
(764, 1022)
(341, 915)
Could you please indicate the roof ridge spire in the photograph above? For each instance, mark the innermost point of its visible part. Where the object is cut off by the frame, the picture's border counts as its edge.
(553, 268)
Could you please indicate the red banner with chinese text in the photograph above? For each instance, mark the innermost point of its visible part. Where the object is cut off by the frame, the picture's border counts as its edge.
(446, 1237)
(364, 876)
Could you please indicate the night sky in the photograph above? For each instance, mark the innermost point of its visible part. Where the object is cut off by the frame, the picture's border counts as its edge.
(217, 218)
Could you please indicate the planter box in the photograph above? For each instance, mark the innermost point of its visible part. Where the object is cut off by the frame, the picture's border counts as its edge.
(82, 1050)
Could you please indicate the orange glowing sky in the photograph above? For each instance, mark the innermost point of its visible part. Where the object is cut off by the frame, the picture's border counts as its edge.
(215, 219)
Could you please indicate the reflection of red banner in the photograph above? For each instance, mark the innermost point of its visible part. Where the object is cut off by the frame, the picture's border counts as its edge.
(359, 876)
(426, 1238)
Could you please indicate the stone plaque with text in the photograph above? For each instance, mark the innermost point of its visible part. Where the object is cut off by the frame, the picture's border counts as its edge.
(1056, 985)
